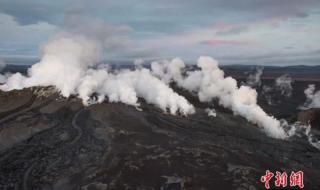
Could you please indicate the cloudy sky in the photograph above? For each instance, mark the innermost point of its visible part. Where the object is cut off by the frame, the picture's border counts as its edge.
(269, 32)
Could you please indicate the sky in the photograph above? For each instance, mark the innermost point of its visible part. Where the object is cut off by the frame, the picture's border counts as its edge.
(260, 32)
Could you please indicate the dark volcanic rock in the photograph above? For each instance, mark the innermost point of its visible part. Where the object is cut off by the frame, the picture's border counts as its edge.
(310, 116)
(114, 146)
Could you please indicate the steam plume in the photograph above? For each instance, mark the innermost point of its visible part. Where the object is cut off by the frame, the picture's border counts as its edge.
(126, 86)
(209, 82)
(312, 96)
(67, 64)
(68, 60)
(254, 80)
(266, 91)
(63, 64)
(211, 112)
(284, 85)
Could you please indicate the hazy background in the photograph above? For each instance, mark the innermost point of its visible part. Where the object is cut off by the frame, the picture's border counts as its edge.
(273, 32)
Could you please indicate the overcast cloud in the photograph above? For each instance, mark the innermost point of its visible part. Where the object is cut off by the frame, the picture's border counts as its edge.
(283, 32)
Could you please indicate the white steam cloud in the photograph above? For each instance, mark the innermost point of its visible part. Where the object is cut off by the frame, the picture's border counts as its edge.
(254, 80)
(312, 96)
(211, 112)
(209, 82)
(284, 85)
(67, 64)
(126, 86)
(267, 91)
(63, 64)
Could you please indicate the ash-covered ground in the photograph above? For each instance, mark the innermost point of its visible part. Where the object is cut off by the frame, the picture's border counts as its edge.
(50, 142)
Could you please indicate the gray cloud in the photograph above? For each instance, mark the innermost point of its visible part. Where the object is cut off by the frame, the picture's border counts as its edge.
(112, 37)
(289, 58)
(234, 30)
(192, 11)
(33, 11)
(134, 28)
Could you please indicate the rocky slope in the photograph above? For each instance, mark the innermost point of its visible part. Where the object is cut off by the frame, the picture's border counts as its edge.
(48, 142)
